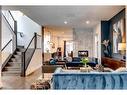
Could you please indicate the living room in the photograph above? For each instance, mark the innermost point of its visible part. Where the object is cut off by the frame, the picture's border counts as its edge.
(103, 50)
(89, 39)
(80, 41)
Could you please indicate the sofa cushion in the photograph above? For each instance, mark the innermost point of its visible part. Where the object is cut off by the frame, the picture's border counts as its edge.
(121, 69)
(52, 61)
(76, 59)
(69, 59)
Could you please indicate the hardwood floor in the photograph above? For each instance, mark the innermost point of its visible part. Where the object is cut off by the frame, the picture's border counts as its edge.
(17, 82)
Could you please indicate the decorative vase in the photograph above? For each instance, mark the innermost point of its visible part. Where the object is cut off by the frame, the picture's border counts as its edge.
(106, 52)
(85, 65)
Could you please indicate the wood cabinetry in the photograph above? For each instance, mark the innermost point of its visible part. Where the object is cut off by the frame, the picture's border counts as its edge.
(112, 63)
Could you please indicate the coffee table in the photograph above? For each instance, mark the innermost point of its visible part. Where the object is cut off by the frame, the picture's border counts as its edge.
(86, 69)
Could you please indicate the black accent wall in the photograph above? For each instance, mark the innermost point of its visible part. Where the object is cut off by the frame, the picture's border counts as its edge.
(107, 32)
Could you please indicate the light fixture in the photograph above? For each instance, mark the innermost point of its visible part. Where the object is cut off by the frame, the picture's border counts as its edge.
(52, 44)
(121, 46)
(122, 49)
(65, 22)
(87, 22)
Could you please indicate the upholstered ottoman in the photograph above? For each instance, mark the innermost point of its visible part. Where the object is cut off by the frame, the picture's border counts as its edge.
(41, 84)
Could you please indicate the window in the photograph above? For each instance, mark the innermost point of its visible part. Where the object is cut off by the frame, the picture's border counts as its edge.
(47, 42)
(69, 47)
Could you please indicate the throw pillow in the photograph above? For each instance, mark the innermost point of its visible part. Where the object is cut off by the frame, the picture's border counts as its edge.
(53, 61)
(99, 68)
(121, 69)
(69, 59)
(108, 70)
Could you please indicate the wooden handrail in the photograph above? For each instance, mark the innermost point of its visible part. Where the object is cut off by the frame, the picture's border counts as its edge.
(6, 45)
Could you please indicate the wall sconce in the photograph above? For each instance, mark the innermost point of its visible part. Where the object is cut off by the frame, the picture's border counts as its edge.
(52, 44)
(21, 34)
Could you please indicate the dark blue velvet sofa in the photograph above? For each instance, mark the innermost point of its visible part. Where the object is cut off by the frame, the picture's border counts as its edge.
(76, 62)
(63, 79)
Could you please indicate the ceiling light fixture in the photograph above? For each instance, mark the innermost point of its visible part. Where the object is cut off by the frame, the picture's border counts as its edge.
(65, 22)
(87, 22)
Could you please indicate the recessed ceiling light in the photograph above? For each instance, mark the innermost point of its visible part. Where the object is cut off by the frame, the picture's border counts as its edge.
(65, 22)
(87, 22)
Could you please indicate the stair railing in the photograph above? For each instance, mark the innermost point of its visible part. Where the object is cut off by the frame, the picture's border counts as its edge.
(28, 54)
(6, 45)
(6, 49)
(12, 24)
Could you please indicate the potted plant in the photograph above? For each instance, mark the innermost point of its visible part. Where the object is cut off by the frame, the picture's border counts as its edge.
(85, 60)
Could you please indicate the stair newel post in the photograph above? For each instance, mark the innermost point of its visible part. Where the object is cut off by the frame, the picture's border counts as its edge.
(35, 42)
(23, 65)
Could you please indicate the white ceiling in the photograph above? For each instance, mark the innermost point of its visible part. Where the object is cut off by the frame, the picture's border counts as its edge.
(76, 16)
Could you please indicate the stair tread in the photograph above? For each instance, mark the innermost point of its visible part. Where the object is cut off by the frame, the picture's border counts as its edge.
(20, 49)
(16, 58)
(15, 55)
(12, 67)
(18, 53)
(12, 72)
(15, 62)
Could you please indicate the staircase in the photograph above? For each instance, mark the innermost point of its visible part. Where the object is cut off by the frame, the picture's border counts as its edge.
(13, 67)
(18, 61)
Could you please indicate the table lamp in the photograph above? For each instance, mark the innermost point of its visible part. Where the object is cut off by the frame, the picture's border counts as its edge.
(122, 49)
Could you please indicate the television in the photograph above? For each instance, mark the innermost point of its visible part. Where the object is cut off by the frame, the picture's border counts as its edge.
(83, 53)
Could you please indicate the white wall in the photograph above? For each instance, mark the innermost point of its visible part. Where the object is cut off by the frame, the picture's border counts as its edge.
(27, 26)
(97, 39)
(6, 33)
(83, 39)
(36, 62)
(6, 36)
(58, 35)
